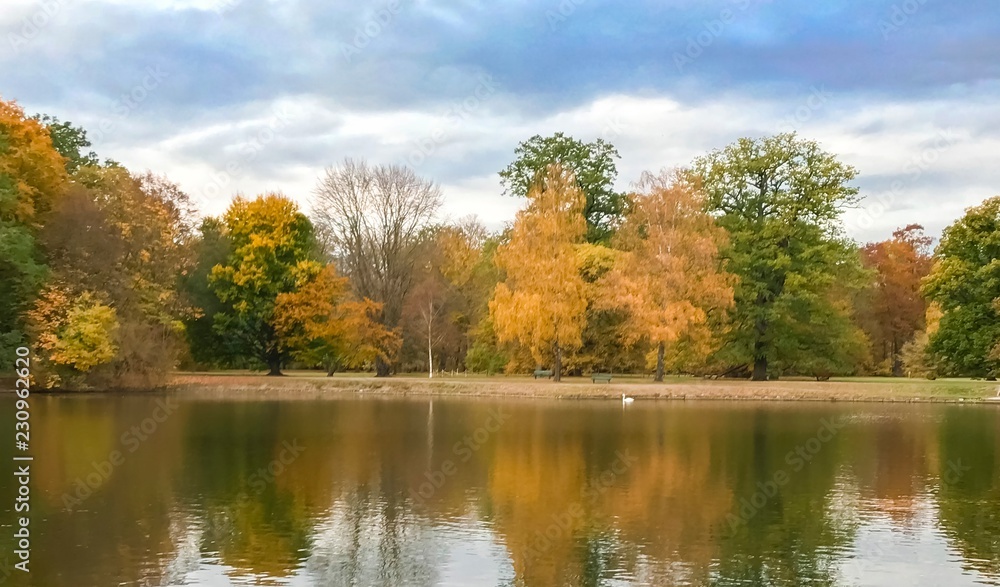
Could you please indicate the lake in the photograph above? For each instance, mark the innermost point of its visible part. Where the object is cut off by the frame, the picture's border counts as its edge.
(359, 490)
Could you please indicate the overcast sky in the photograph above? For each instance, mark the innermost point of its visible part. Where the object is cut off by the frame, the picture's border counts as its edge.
(227, 96)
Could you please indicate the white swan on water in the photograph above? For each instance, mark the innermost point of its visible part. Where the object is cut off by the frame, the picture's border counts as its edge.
(626, 399)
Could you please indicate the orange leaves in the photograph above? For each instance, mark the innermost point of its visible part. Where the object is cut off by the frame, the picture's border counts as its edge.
(543, 300)
(32, 172)
(668, 276)
(320, 322)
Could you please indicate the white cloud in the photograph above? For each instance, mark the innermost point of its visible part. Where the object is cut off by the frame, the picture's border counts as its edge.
(930, 148)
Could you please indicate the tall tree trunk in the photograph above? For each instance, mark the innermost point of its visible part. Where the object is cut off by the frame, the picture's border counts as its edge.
(430, 352)
(897, 363)
(759, 350)
(274, 363)
(660, 349)
(759, 368)
(381, 367)
(557, 372)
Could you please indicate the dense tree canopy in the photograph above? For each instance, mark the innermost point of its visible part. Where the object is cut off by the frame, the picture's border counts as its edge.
(736, 266)
(541, 302)
(593, 166)
(669, 276)
(891, 308)
(273, 250)
(780, 199)
(965, 282)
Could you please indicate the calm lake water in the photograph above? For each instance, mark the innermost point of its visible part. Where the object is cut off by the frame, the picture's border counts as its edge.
(375, 491)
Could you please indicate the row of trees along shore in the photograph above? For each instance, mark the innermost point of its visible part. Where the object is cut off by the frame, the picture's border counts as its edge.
(736, 265)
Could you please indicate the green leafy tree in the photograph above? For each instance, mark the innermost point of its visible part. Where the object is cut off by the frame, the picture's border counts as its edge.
(781, 198)
(593, 165)
(206, 345)
(70, 141)
(273, 249)
(965, 282)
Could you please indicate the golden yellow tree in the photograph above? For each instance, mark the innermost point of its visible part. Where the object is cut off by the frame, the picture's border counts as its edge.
(542, 303)
(669, 276)
(75, 332)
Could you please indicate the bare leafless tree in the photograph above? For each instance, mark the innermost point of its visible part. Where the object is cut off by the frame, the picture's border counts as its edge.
(372, 219)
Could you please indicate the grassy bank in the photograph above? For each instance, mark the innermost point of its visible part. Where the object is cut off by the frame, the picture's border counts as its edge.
(302, 384)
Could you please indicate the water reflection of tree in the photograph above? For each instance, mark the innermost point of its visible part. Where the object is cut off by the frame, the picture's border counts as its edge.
(121, 532)
(969, 486)
(344, 512)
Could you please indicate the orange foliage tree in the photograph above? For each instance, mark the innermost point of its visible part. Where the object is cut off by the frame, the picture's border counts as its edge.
(321, 322)
(892, 309)
(542, 302)
(669, 277)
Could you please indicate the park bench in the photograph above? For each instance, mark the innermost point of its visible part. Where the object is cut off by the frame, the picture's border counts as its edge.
(600, 377)
(543, 373)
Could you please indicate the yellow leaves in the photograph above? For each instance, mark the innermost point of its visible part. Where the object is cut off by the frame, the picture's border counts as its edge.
(30, 163)
(543, 300)
(79, 333)
(271, 247)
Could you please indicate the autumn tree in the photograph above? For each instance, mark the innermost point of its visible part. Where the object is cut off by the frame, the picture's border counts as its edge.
(542, 301)
(32, 180)
(669, 276)
(781, 198)
(593, 166)
(965, 282)
(374, 217)
(428, 314)
(272, 251)
(892, 308)
(123, 239)
(321, 322)
(468, 251)
(74, 334)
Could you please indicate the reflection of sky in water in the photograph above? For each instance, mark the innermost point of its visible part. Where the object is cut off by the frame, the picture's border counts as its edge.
(464, 551)
(351, 551)
(888, 554)
(880, 505)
